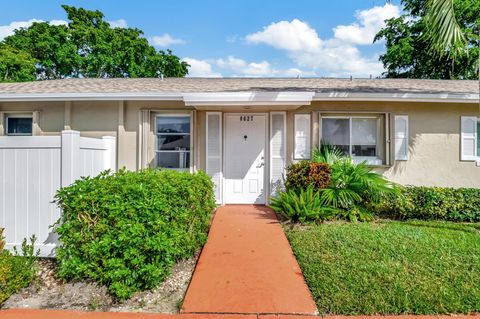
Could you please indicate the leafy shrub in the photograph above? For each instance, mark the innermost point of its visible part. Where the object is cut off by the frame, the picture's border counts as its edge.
(305, 173)
(420, 202)
(16, 270)
(346, 189)
(2, 241)
(301, 205)
(126, 230)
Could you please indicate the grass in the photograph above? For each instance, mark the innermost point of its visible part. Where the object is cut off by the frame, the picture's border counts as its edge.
(387, 267)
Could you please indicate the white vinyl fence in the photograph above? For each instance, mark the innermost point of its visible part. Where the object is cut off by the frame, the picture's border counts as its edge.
(32, 169)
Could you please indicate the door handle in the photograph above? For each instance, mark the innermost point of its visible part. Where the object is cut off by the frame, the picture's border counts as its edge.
(261, 164)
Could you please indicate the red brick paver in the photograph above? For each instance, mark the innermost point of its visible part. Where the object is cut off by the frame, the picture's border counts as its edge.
(247, 266)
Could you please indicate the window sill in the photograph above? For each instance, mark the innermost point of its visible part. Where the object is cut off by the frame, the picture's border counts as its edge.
(371, 161)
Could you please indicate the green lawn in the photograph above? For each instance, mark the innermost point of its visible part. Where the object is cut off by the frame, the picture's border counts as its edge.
(391, 267)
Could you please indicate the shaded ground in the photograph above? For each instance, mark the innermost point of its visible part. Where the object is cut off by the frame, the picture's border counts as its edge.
(48, 292)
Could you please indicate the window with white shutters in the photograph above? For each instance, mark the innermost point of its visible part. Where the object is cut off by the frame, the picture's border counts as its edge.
(401, 137)
(302, 136)
(214, 151)
(277, 150)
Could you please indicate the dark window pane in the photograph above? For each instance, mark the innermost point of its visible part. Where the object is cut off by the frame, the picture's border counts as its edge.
(337, 132)
(364, 150)
(173, 159)
(173, 124)
(19, 125)
(173, 142)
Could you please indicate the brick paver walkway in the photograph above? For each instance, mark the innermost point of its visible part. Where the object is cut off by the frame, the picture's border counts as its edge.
(247, 266)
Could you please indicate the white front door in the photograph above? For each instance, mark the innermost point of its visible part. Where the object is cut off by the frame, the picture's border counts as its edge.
(244, 163)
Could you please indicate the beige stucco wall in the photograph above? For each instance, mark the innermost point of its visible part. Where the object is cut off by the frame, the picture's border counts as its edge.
(434, 141)
(434, 132)
(50, 114)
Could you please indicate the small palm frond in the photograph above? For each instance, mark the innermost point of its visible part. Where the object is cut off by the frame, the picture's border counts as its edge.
(443, 30)
(327, 153)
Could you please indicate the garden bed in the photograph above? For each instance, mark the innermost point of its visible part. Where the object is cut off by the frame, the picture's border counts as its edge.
(389, 267)
(50, 292)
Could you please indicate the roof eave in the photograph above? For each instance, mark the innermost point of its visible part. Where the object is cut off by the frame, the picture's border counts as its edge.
(91, 97)
(398, 97)
(245, 98)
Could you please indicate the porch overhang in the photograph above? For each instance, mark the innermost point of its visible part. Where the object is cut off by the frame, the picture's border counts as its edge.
(228, 99)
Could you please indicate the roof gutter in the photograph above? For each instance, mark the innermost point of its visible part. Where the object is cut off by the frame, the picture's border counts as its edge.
(245, 98)
(399, 97)
(140, 96)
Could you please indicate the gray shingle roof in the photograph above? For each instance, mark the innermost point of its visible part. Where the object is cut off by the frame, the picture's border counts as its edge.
(178, 85)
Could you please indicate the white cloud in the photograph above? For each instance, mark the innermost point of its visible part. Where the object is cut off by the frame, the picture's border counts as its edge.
(241, 67)
(236, 67)
(369, 23)
(165, 40)
(293, 36)
(200, 68)
(7, 30)
(120, 23)
(58, 22)
(338, 56)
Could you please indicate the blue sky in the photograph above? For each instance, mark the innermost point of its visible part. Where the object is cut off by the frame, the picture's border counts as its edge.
(242, 38)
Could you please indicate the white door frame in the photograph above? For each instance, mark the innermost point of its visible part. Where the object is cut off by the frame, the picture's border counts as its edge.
(266, 167)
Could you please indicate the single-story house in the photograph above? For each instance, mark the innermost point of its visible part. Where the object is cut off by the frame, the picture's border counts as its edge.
(244, 131)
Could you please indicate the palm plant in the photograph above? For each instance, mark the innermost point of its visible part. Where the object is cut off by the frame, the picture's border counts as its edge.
(301, 205)
(327, 153)
(443, 30)
(353, 184)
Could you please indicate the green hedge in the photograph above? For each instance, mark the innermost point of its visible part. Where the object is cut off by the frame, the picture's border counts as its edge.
(126, 230)
(420, 202)
(16, 270)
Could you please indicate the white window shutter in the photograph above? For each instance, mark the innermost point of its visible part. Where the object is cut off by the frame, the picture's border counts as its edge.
(214, 151)
(401, 137)
(468, 138)
(277, 150)
(302, 136)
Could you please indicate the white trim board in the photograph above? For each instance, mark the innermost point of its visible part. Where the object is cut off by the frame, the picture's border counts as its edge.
(125, 96)
(287, 98)
(248, 98)
(392, 97)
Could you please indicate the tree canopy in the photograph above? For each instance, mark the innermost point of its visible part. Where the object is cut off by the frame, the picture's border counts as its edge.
(87, 47)
(409, 53)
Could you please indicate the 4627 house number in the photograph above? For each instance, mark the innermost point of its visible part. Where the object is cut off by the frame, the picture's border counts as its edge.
(246, 118)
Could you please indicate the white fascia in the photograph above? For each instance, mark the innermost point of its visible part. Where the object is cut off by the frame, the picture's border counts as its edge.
(399, 97)
(248, 98)
(137, 96)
